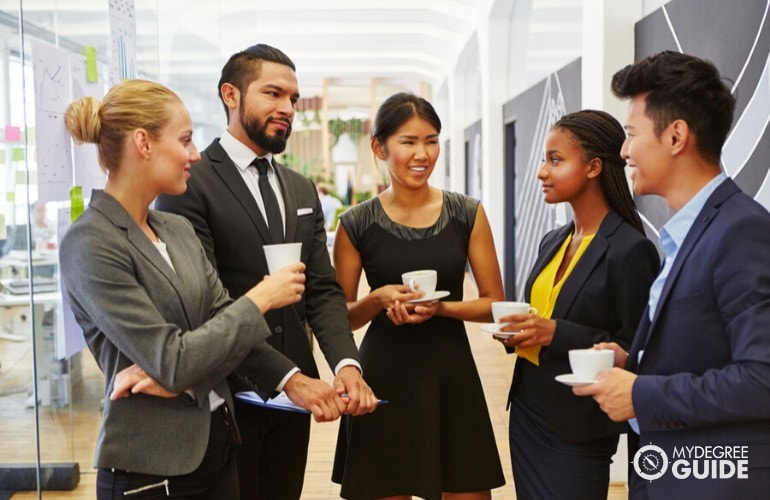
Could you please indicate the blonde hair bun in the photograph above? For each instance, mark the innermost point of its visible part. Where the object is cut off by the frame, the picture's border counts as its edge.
(82, 120)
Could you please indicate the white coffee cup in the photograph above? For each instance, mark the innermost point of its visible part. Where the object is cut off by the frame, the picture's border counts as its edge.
(586, 363)
(505, 308)
(423, 280)
(281, 255)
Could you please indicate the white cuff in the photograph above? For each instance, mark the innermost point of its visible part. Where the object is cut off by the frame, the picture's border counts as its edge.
(347, 362)
(285, 379)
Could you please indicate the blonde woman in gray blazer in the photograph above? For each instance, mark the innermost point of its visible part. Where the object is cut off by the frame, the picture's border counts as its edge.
(163, 330)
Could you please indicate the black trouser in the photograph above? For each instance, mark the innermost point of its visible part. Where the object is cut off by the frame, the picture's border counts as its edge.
(273, 452)
(215, 478)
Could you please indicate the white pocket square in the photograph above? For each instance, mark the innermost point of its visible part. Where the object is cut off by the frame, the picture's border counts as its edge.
(304, 211)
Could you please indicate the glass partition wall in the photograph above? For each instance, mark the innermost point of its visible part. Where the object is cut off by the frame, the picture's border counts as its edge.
(51, 52)
(50, 388)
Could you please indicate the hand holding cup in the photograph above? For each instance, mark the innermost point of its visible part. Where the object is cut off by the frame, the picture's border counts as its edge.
(587, 363)
(423, 280)
(502, 310)
(281, 255)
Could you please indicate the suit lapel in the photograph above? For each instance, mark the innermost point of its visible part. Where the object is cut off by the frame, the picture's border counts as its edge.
(703, 220)
(585, 266)
(707, 214)
(580, 273)
(228, 172)
(549, 249)
(183, 265)
(115, 212)
(289, 201)
(640, 341)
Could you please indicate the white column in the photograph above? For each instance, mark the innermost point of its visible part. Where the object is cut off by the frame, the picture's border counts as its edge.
(325, 139)
(494, 58)
(608, 45)
(456, 90)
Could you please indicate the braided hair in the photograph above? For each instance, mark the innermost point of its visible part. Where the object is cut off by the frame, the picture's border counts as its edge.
(601, 136)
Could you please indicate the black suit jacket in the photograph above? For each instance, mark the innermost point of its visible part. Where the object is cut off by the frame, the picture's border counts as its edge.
(232, 229)
(601, 301)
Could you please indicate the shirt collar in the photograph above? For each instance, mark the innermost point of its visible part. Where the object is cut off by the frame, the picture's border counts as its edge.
(239, 153)
(676, 229)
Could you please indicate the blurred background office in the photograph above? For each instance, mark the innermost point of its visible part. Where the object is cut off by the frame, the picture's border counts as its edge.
(499, 73)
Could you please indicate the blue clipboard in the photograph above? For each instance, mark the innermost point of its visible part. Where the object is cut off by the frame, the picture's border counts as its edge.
(279, 402)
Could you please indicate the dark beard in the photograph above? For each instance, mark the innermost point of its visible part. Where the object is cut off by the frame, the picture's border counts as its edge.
(257, 132)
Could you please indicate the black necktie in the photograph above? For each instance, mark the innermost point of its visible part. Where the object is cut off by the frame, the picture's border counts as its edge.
(272, 210)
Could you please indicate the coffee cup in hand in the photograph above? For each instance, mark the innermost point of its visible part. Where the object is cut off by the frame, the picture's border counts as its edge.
(281, 255)
(423, 280)
(506, 308)
(587, 363)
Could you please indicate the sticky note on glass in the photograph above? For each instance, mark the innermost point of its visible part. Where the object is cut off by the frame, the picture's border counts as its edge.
(12, 133)
(3, 228)
(76, 202)
(92, 75)
(18, 154)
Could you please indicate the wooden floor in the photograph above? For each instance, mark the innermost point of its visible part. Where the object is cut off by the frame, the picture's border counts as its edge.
(68, 434)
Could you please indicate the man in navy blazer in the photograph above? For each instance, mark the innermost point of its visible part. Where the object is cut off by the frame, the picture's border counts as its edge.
(696, 388)
(232, 216)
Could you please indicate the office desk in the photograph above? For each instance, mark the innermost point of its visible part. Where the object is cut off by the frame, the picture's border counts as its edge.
(17, 326)
(16, 264)
(15, 310)
(14, 300)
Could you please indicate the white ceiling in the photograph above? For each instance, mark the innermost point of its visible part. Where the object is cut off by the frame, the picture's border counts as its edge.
(354, 39)
(348, 44)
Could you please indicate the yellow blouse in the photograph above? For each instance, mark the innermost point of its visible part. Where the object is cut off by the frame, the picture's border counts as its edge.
(545, 289)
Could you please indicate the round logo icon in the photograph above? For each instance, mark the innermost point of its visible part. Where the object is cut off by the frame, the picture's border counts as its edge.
(650, 462)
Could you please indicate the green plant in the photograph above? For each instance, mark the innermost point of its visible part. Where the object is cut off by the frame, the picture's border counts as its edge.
(289, 160)
(336, 129)
(354, 127)
(363, 196)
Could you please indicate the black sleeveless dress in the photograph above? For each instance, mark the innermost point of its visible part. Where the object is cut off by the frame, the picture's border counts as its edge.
(435, 434)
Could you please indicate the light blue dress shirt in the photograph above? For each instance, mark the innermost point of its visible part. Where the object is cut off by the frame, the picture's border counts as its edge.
(672, 235)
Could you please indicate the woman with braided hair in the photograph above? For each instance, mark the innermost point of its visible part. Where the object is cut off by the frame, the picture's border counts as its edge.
(589, 283)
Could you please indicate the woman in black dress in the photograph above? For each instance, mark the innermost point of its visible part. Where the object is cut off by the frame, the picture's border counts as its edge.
(435, 438)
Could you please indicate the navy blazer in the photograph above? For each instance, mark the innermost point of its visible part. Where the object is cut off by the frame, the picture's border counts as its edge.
(705, 370)
(231, 227)
(601, 301)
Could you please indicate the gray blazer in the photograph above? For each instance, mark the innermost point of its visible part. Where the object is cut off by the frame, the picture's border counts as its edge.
(179, 325)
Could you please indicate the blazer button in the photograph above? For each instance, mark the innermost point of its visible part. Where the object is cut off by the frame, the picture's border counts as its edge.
(278, 329)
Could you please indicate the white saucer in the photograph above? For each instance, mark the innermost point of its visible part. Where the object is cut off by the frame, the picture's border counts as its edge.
(494, 328)
(571, 380)
(438, 294)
